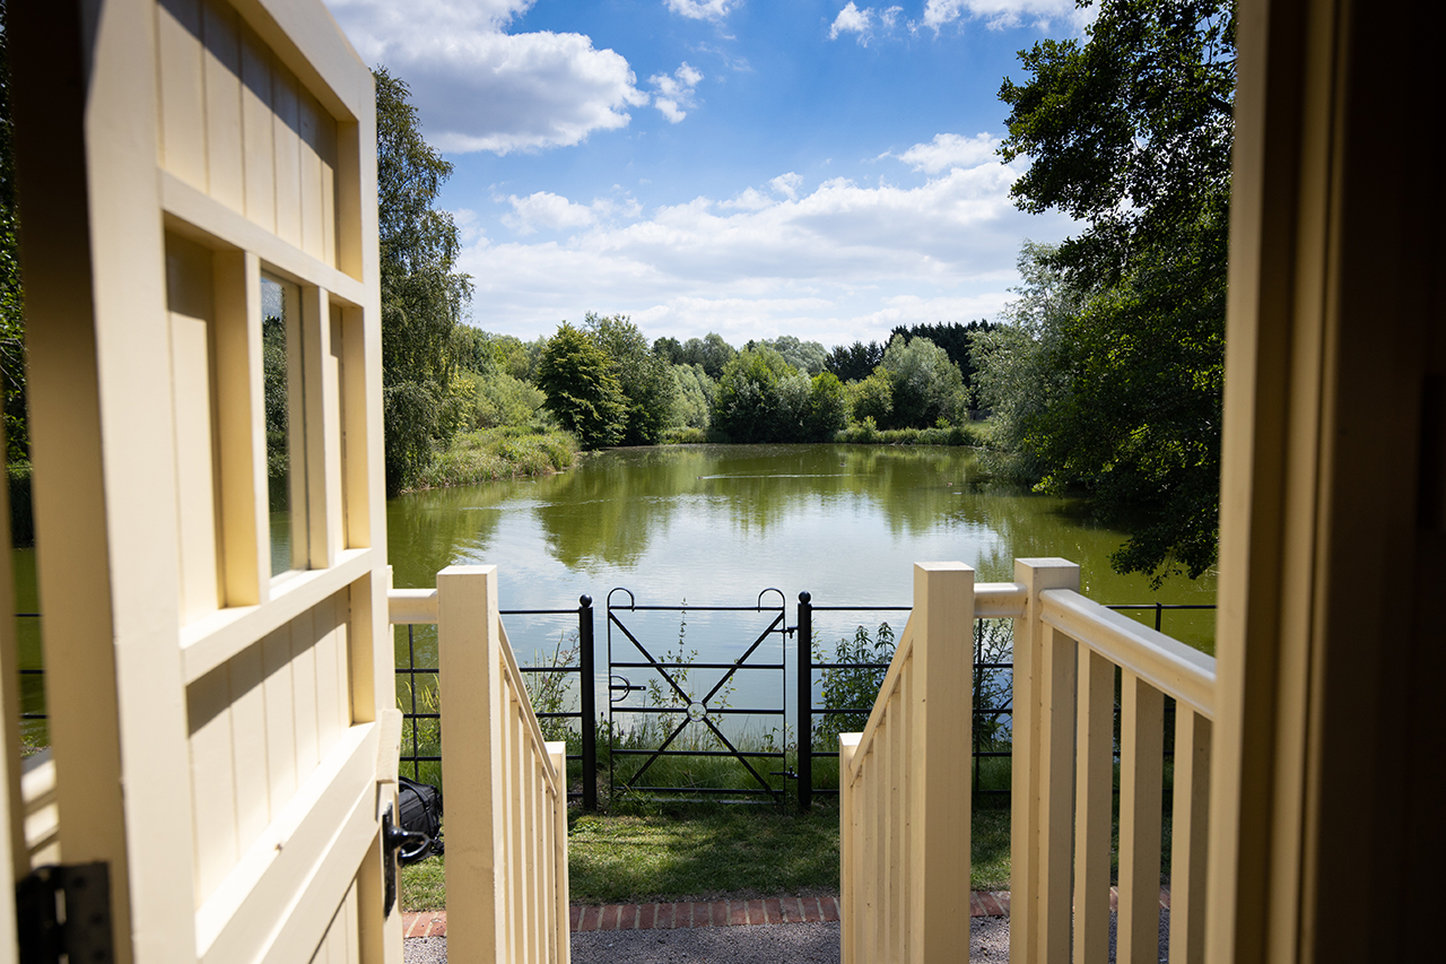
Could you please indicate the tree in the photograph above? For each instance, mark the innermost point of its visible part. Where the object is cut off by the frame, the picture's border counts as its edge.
(582, 391)
(856, 362)
(806, 356)
(956, 339)
(1130, 133)
(711, 351)
(927, 386)
(828, 408)
(421, 294)
(873, 397)
(646, 380)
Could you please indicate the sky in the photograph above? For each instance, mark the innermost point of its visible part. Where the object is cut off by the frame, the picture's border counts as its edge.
(754, 168)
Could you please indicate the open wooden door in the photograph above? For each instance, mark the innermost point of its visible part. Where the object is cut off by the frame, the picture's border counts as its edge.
(198, 185)
(10, 829)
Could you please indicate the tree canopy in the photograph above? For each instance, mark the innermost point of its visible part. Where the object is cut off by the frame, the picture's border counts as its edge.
(422, 294)
(582, 391)
(1111, 382)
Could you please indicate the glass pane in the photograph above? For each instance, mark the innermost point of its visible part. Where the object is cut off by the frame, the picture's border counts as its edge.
(285, 428)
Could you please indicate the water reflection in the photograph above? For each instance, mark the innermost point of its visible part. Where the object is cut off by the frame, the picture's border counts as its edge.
(715, 524)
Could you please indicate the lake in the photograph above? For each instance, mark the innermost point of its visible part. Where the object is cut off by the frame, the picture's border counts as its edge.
(716, 525)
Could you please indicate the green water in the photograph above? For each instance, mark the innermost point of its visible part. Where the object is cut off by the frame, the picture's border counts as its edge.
(715, 524)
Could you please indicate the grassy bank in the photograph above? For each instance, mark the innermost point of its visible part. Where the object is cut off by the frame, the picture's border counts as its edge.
(498, 453)
(713, 852)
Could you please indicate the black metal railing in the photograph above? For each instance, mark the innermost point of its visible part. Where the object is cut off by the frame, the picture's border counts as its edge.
(416, 719)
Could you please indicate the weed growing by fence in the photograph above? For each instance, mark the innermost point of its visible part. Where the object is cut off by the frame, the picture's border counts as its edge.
(851, 687)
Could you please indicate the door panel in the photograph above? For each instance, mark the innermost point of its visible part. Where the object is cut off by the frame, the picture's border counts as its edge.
(189, 149)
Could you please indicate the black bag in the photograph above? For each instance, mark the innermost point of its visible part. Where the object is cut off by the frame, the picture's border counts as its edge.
(421, 812)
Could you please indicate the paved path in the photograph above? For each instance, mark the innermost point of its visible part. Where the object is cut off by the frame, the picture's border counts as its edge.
(686, 915)
(801, 930)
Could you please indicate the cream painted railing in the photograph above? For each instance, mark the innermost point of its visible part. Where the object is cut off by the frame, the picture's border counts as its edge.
(905, 816)
(506, 792)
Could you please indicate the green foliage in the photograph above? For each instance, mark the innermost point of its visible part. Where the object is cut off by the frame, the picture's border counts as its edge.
(555, 692)
(421, 293)
(828, 407)
(854, 362)
(806, 356)
(694, 396)
(1131, 132)
(853, 686)
(711, 352)
(581, 389)
(12, 295)
(646, 380)
(748, 395)
(868, 433)
(1121, 332)
(872, 399)
(956, 339)
(494, 398)
(487, 455)
(927, 386)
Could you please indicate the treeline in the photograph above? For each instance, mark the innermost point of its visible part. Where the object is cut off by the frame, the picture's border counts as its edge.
(607, 385)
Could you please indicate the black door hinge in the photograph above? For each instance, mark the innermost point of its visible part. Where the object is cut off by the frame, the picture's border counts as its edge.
(64, 912)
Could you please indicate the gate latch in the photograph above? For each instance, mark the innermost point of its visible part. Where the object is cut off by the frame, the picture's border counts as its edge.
(624, 687)
(66, 914)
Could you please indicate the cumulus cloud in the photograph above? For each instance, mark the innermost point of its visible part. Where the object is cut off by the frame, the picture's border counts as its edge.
(851, 20)
(787, 184)
(675, 92)
(999, 14)
(479, 88)
(859, 21)
(948, 151)
(543, 209)
(702, 9)
(844, 260)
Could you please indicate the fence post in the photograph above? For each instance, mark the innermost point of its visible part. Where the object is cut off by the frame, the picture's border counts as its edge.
(588, 690)
(472, 702)
(943, 715)
(805, 700)
(1028, 832)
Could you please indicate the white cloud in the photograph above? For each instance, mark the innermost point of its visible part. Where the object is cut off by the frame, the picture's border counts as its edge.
(845, 260)
(674, 93)
(479, 88)
(999, 14)
(787, 184)
(860, 21)
(851, 20)
(702, 9)
(948, 151)
(543, 209)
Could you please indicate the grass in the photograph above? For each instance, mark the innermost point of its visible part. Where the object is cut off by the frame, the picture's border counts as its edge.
(711, 852)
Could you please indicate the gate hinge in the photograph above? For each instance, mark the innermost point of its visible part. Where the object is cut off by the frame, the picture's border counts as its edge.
(65, 911)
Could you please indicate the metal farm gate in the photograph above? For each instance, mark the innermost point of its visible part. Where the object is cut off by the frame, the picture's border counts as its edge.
(675, 714)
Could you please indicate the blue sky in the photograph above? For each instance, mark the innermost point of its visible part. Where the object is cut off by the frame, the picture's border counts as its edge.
(817, 168)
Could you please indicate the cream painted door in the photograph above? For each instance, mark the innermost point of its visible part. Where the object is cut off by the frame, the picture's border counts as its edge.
(11, 832)
(198, 183)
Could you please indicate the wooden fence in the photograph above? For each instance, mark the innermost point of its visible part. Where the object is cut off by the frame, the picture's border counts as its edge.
(906, 812)
(505, 786)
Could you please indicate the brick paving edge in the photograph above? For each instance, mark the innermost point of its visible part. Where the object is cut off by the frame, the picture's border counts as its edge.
(717, 913)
